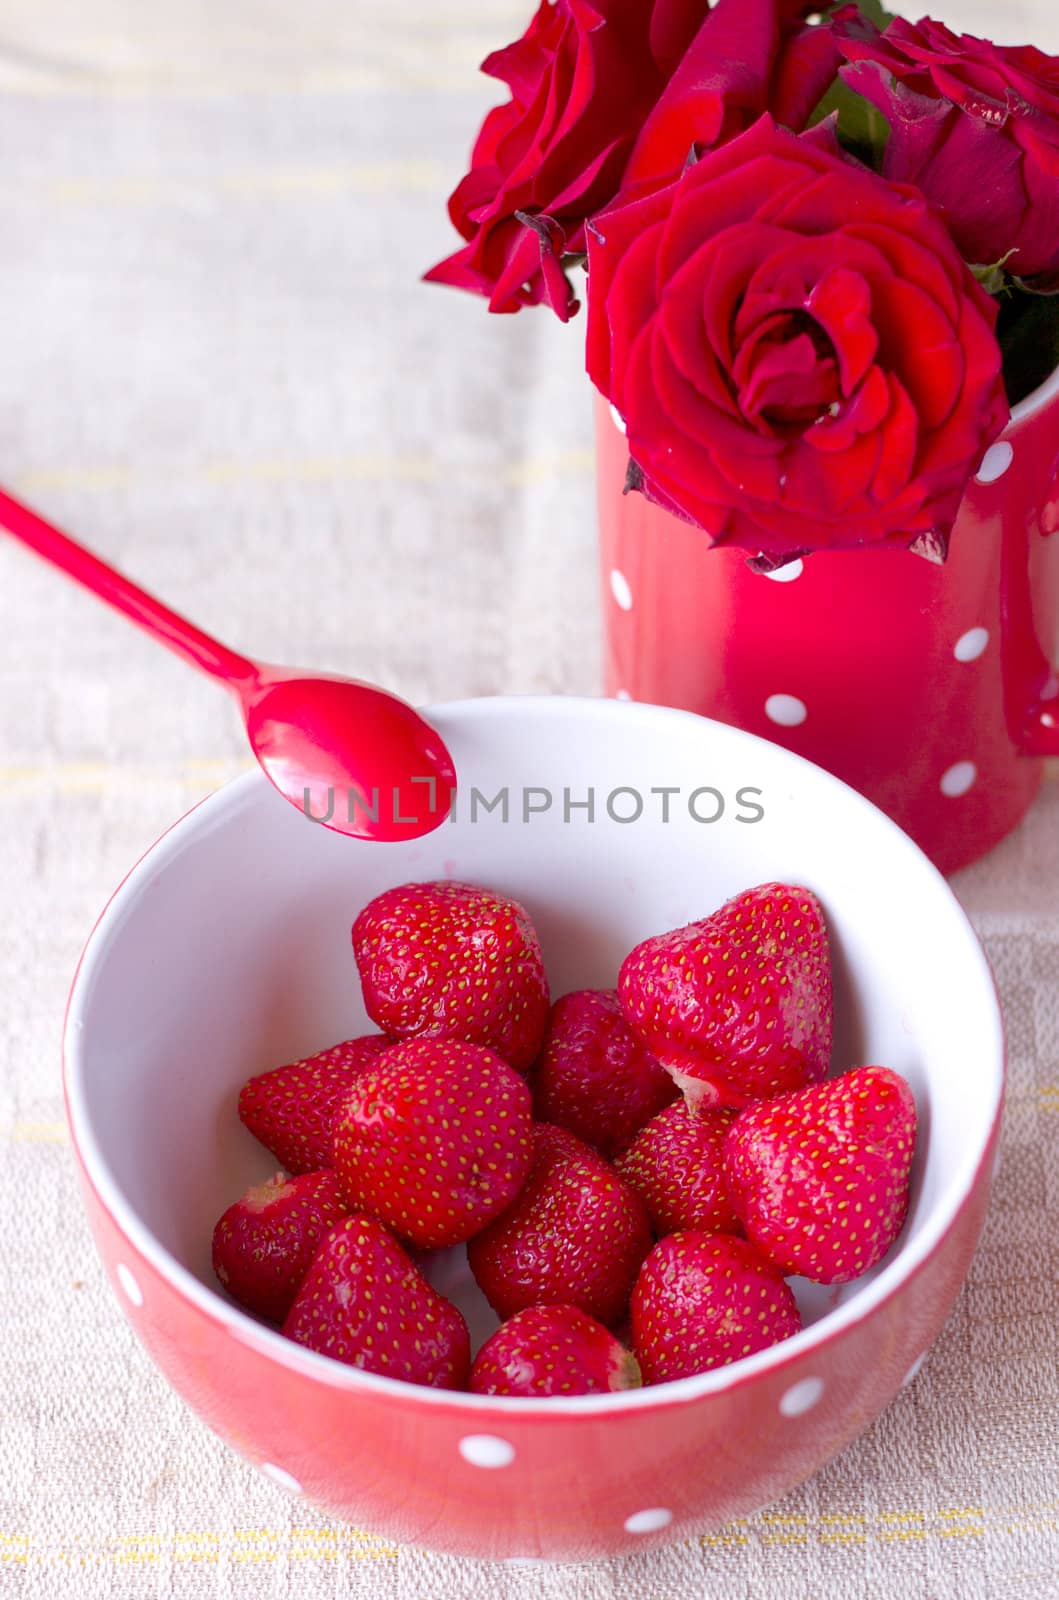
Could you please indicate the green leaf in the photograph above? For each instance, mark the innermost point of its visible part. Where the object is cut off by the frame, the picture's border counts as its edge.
(875, 13)
(993, 278)
(1045, 283)
(862, 129)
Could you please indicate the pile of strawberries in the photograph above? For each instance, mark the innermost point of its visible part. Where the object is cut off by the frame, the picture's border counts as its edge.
(642, 1167)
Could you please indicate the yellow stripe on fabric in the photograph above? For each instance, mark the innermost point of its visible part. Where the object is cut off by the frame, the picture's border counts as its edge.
(242, 1545)
(841, 1527)
(220, 34)
(398, 469)
(92, 477)
(380, 177)
(38, 1133)
(398, 79)
(98, 777)
(317, 469)
(327, 1544)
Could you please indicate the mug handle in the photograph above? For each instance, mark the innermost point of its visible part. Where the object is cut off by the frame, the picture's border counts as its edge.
(1029, 675)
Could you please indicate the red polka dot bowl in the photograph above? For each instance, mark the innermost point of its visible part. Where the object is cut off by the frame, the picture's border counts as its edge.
(226, 951)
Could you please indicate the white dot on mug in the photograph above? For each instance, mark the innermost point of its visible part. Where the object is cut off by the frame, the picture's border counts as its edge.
(787, 574)
(995, 462)
(970, 645)
(786, 710)
(958, 779)
(619, 588)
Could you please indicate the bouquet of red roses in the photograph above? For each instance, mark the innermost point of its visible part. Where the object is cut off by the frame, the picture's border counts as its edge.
(822, 251)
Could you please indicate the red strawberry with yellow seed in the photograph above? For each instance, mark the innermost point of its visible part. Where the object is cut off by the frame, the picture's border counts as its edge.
(448, 960)
(291, 1109)
(737, 1007)
(703, 1300)
(434, 1139)
(594, 1076)
(553, 1350)
(264, 1243)
(820, 1177)
(575, 1236)
(364, 1302)
(676, 1166)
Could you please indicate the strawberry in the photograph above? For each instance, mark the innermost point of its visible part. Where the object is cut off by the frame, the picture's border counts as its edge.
(548, 1350)
(737, 1007)
(434, 1139)
(676, 1166)
(575, 1236)
(291, 1109)
(594, 1076)
(452, 961)
(263, 1244)
(364, 1302)
(820, 1177)
(703, 1300)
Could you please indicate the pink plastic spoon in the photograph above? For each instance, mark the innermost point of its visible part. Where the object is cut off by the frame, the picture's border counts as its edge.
(347, 754)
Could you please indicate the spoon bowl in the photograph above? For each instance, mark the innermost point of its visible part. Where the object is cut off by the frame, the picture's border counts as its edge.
(352, 756)
(349, 755)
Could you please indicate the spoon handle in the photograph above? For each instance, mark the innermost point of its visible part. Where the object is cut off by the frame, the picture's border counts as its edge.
(108, 584)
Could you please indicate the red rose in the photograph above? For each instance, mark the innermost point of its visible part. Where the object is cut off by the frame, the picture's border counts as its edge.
(802, 359)
(749, 56)
(975, 126)
(583, 78)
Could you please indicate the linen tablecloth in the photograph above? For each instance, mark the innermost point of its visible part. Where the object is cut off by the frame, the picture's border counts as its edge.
(219, 367)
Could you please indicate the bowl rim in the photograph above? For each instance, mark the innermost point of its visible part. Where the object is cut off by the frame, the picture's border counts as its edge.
(894, 1277)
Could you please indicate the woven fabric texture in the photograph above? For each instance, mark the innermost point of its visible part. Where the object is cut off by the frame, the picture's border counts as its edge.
(221, 370)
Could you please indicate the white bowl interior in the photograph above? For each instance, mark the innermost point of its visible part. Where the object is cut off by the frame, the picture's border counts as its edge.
(227, 951)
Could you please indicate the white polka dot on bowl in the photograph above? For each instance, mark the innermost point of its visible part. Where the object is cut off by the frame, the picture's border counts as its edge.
(970, 645)
(130, 1288)
(619, 588)
(958, 779)
(787, 574)
(649, 1521)
(801, 1397)
(486, 1450)
(786, 710)
(285, 1479)
(995, 462)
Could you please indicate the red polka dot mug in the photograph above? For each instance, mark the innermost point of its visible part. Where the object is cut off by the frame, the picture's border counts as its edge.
(931, 689)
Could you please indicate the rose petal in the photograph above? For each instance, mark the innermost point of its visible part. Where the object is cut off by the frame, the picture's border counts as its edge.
(975, 126)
